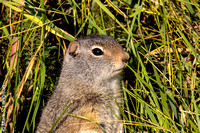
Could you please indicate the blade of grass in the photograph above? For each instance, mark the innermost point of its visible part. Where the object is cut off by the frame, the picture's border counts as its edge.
(50, 27)
(29, 112)
(194, 101)
(60, 117)
(110, 14)
(127, 105)
(17, 74)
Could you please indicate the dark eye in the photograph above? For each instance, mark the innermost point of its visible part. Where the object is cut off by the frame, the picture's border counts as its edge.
(97, 51)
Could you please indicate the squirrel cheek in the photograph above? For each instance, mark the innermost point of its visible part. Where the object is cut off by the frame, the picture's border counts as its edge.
(119, 65)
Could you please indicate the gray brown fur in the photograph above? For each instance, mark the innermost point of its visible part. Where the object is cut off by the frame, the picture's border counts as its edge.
(91, 83)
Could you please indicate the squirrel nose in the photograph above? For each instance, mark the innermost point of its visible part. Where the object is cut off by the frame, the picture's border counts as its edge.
(125, 58)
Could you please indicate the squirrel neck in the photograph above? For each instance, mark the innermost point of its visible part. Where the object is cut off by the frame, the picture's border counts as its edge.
(83, 73)
(108, 86)
(68, 77)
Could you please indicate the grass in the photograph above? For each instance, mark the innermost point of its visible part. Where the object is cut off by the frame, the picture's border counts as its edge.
(161, 80)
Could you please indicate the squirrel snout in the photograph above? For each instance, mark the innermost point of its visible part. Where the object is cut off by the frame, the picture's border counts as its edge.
(125, 57)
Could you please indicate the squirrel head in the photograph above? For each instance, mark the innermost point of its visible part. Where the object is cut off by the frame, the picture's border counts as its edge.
(94, 58)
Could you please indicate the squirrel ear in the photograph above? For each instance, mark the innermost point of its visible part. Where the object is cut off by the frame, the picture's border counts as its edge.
(73, 48)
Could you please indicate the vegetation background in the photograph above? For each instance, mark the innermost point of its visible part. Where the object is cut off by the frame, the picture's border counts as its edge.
(161, 81)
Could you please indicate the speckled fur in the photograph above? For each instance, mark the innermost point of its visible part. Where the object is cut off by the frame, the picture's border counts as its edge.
(91, 83)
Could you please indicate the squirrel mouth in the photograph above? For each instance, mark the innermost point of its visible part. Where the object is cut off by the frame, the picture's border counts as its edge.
(118, 70)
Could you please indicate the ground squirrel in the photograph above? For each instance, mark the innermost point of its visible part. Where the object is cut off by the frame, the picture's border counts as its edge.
(90, 79)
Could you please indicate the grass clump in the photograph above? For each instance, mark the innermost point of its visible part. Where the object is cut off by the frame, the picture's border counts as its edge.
(161, 81)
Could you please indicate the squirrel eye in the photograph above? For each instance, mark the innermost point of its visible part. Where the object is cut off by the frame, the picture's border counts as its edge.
(97, 51)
